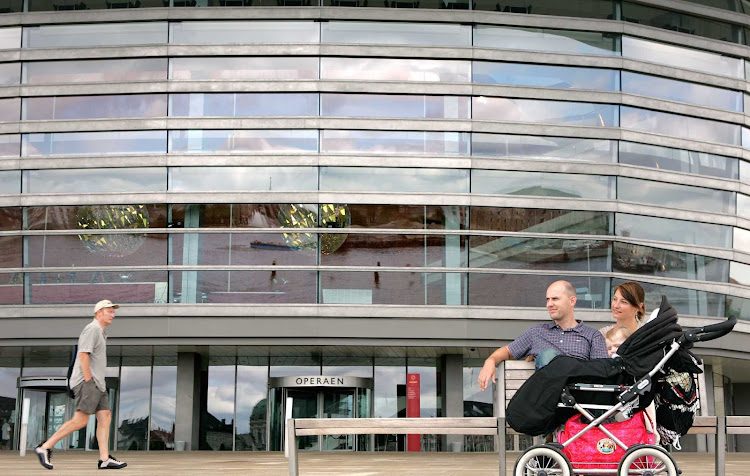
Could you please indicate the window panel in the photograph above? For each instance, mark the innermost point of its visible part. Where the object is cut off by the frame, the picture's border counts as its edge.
(682, 91)
(677, 231)
(397, 106)
(409, 289)
(10, 181)
(10, 38)
(243, 141)
(544, 148)
(136, 179)
(553, 112)
(676, 125)
(133, 408)
(382, 69)
(743, 205)
(541, 39)
(94, 107)
(131, 249)
(243, 104)
(237, 215)
(67, 217)
(395, 33)
(648, 261)
(218, 421)
(10, 109)
(679, 160)
(10, 74)
(403, 250)
(673, 195)
(200, 179)
(516, 252)
(10, 145)
(163, 403)
(252, 385)
(244, 287)
(545, 76)
(680, 57)
(227, 68)
(77, 287)
(94, 143)
(408, 217)
(508, 182)
(395, 142)
(541, 220)
(91, 35)
(94, 71)
(687, 302)
(680, 22)
(243, 32)
(741, 240)
(592, 292)
(580, 8)
(241, 249)
(385, 179)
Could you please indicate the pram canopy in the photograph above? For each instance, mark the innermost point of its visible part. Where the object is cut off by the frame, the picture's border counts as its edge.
(533, 410)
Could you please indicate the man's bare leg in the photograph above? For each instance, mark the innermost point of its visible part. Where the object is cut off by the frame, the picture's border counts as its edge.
(79, 420)
(103, 419)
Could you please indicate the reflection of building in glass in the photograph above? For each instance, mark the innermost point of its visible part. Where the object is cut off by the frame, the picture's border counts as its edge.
(352, 200)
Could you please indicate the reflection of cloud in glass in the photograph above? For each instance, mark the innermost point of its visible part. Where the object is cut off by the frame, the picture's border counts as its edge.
(544, 40)
(382, 69)
(243, 178)
(383, 179)
(471, 391)
(243, 69)
(135, 388)
(396, 33)
(220, 402)
(163, 399)
(402, 142)
(241, 141)
(152, 179)
(387, 380)
(680, 57)
(251, 389)
(380, 105)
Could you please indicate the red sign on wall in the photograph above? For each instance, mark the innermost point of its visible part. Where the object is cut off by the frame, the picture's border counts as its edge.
(413, 408)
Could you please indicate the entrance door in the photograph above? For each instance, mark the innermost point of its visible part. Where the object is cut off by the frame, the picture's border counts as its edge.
(338, 404)
(304, 405)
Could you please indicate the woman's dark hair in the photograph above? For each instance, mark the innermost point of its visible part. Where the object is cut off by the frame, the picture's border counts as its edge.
(635, 295)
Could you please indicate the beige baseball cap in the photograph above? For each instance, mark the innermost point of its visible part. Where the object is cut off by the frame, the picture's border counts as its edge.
(105, 303)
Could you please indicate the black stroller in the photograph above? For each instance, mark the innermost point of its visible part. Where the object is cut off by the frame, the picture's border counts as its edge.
(605, 396)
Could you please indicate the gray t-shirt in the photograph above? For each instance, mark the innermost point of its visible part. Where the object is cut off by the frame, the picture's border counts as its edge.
(93, 341)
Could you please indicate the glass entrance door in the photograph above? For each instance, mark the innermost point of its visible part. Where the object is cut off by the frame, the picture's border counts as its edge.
(304, 405)
(47, 413)
(338, 404)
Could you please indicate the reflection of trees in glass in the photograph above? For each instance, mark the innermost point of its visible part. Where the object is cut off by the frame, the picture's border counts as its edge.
(132, 434)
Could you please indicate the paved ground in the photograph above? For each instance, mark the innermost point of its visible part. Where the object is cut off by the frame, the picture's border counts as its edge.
(154, 463)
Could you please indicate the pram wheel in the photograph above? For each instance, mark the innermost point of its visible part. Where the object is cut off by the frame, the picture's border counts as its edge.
(647, 460)
(542, 460)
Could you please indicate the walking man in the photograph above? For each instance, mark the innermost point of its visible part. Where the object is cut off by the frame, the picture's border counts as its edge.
(87, 382)
(563, 335)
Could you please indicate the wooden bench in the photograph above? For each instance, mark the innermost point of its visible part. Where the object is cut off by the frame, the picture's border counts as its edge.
(383, 426)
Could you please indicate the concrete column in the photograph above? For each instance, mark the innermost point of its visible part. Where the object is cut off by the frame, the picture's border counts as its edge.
(187, 412)
(453, 392)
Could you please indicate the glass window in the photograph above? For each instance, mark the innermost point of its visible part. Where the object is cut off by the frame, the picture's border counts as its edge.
(249, 249)
(580, 8)
(541, 220)
(94, 143)
(10, 109)
(648, 261)
(743, 205)
(389, 397)
(544, 148)
(91, 35)
(237, 215)
(387, 179)
(536, 110)
(677, 231)
(395, 33)
(10, 181)
(94, 71)
(687, 302)
(348, 366)
(92, 107)
(404, 250)
(10, 38)
(243, 104)
(395, 142)
(11, 251)
(545, 76)
(243, 141)
(252, 389)
(217, 424)
(243, 32)
(515, 252)
(401, 106)
(12, 286)
(408, 217)
(731, 5)
(163, 403)
(744, 171)
(592, 292)
(541, 39)
(294, 366)
(673, 195)
(244, 287)
(739, 273)
(10, 145)
(10, 370)
(680, 22)
(430, 395)
(674, 90)
(508, 182)
(741, 240)
(188, 179)
(675, 125)
(401, 288)
(77, 287)
(137, 179)
(136, 249)
(383, 69)
(133, 411)
(67, 217)
(10, 74)
(679, 160)
(680, 57)
(228, 68)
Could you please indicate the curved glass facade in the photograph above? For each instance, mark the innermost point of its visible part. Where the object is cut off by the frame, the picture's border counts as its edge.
(360, 168)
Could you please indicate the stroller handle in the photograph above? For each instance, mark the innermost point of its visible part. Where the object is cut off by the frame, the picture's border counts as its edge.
(705, 333)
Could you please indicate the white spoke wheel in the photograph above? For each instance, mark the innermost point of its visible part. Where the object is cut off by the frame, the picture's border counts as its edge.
(647, 460)
(542, 461)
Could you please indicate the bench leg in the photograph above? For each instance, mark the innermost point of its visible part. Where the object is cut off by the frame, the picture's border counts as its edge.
(502, 456)
(721, 444)
(291, 446)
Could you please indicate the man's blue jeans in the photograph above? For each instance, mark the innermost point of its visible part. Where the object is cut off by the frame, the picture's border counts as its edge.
(544, 357)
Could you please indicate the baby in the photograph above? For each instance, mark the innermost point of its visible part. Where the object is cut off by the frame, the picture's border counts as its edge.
(615, 337)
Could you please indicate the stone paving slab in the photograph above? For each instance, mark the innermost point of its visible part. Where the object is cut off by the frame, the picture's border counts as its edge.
(157, 463)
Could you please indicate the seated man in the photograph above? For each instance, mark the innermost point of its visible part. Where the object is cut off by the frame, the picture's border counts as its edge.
(564, 335)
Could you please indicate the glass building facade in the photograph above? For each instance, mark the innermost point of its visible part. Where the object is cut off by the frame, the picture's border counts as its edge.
(312, 202)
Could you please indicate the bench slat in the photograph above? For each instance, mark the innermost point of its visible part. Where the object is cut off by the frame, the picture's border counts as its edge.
(426, 430)
(519, 365)
(518, 374)
(704, 421)
(738, 420)
(468, 422)
(738, 430)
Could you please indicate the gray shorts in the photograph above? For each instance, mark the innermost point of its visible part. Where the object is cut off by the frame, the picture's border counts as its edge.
(89, 399)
